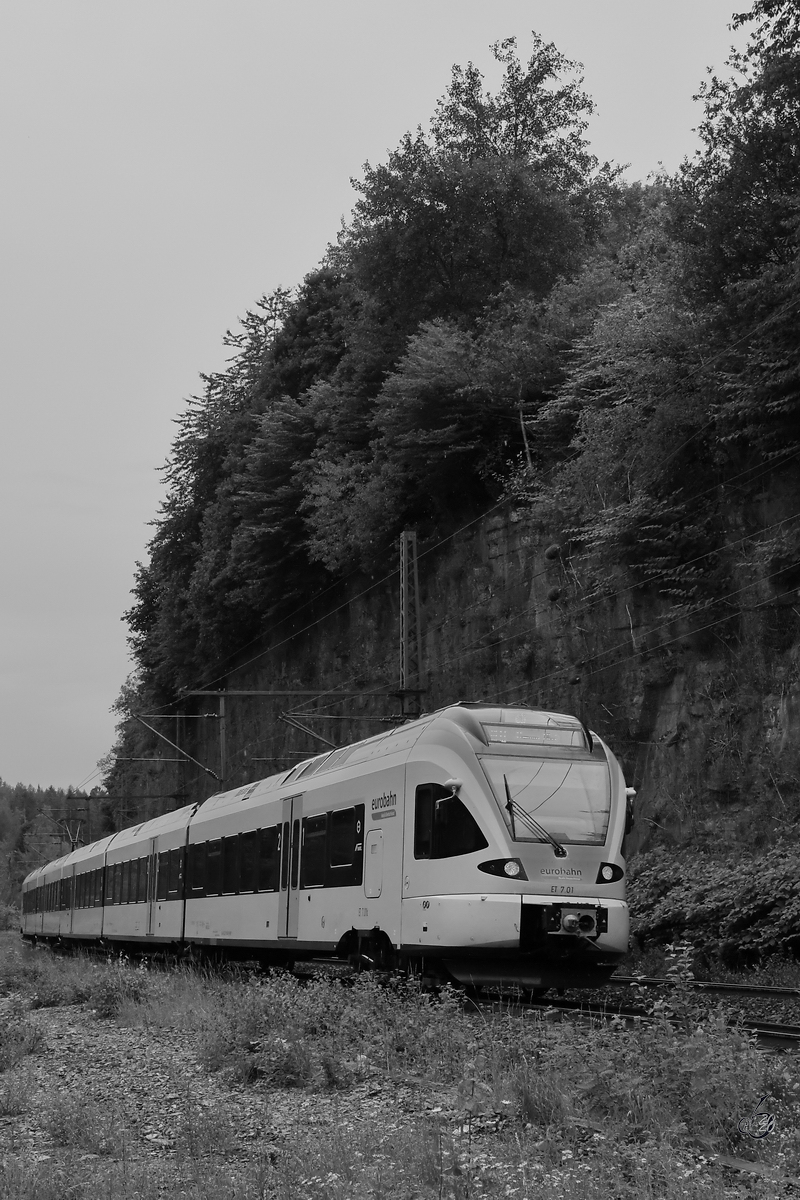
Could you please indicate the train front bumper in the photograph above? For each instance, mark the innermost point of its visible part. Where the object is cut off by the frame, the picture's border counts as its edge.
(519, 939)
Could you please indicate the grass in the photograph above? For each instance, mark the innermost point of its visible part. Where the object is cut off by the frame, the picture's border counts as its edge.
(495, 1105)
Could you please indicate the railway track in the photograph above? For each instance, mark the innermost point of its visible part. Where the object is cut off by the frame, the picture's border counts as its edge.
(701, 985)
(770, 1035)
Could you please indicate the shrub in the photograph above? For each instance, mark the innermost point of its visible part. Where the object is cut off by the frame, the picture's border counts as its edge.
(116, 985)
(736, 910)
(9, 917)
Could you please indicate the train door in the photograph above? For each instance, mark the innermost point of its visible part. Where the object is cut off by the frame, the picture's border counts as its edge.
(373, 864)
(152, 871)
(291, 837)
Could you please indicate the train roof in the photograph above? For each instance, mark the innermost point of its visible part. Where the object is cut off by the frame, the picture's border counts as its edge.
(177, 819)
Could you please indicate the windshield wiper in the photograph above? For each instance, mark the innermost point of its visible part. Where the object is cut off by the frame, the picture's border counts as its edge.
(516, 810)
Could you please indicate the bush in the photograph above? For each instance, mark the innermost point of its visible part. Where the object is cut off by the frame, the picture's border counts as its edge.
(737, 911)
(9, 917)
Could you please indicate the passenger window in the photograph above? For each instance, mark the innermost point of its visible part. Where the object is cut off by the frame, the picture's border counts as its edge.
(312, 868)
(285, 856)
(175, 890)
(342, 837)
(162, 886)
(248, 851)
(295, 851)
(443, 825)
(214, 868)
(230, 864)
(267, 877)
(196, 869)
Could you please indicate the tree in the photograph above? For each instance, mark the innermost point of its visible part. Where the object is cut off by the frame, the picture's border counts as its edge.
(503, 190)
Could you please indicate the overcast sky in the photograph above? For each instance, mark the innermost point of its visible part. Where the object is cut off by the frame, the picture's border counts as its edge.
(165, 163)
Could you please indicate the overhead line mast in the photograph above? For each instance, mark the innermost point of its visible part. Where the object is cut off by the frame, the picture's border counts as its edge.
(411, 687)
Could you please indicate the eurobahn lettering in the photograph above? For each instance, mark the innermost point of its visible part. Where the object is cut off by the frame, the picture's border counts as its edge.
(387, 800)
(384, 806)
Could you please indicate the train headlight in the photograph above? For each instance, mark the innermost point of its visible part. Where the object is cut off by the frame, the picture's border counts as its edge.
(609, 873)
(570, 922)
(512, 868)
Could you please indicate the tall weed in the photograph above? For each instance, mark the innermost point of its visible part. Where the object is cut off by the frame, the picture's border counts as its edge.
(18, 1038)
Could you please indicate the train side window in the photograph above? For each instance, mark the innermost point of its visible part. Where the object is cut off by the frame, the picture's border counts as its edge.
(175, 886)
(196, 870)
(345, 867)
(285, 856)
(312, 871)
(248, 861)
(230, 865)
(214, 868)
(295, 851)
(125, 890)
(109, 888)
(267, 879)
(342, 837)
(162, 883)
(443, 825)
(117, 883)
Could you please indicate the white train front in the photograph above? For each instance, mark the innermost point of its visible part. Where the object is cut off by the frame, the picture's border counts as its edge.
(478, 843)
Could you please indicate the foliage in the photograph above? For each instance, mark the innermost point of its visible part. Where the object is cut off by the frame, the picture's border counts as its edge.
(371, 398)
(737, 911)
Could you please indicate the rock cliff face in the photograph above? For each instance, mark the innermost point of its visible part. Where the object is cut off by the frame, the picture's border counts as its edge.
(703, 711)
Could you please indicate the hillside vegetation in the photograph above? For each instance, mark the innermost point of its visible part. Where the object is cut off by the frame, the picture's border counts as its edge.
(502, 315)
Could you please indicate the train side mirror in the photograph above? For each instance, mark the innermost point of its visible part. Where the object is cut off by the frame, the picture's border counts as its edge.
(630, 796)
(455, 786)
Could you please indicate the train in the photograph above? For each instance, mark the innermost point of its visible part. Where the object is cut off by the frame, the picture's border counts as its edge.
(478, 844)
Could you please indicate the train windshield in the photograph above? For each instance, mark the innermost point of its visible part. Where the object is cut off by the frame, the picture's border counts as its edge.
(570, 801)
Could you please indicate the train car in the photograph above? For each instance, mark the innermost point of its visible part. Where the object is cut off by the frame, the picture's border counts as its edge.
(479, 843)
